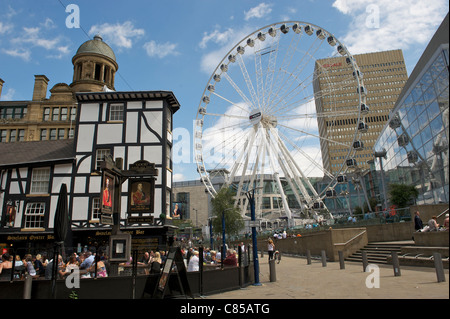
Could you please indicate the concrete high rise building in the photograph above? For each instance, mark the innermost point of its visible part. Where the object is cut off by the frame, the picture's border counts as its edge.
(384, 75)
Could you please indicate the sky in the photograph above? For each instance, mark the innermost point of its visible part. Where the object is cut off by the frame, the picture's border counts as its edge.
(176, 45)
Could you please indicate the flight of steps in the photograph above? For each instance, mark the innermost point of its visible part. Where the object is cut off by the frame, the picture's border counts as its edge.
(378, 252)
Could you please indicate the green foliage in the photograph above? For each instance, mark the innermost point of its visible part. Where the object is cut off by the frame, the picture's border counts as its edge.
(224, 202)
(373, 204)
(73, 295)
(402, 195)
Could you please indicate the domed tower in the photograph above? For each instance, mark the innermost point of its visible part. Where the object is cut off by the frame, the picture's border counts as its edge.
(94, 66)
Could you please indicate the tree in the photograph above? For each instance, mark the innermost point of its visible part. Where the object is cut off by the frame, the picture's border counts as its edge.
(402, 195)
(224, 202)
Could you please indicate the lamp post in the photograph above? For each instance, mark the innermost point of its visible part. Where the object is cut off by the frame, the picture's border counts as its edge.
(251, 198)
(223, 232)
(380, 155)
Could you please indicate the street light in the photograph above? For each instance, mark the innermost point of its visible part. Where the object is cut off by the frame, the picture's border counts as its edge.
(251, 199)
(223, 233)
(382, 154)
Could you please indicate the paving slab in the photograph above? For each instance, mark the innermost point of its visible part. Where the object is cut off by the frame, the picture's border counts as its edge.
(297, 280)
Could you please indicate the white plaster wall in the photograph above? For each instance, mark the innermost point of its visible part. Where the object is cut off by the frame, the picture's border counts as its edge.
(134, 106)
(134, 154)
(58, 181)
(85, 138)
(80, 184)
(80, 208)
(131, 127)
(109, 133)
(89, 112)
(153, 154)
(85, 166)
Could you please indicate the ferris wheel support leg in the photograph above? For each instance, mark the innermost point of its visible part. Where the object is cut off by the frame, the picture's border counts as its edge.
(280, 187)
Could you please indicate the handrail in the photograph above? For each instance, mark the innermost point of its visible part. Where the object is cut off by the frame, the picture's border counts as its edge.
(351, 239)
(445, 211)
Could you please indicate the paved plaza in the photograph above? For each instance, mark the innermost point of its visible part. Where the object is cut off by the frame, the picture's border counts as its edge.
(297, 280)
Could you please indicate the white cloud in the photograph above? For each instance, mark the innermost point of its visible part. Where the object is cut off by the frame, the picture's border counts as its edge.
(8, 96)
(178, 177)
(160, 50)
(121, 35)
(390, 24)
(260, 11)
(20, 53)
(216, 37)
(4, 28)
(226, 40)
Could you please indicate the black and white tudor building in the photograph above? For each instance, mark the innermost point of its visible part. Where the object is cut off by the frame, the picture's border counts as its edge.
(132, 126)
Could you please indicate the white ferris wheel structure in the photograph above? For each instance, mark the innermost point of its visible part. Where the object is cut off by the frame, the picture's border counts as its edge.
(259, 112)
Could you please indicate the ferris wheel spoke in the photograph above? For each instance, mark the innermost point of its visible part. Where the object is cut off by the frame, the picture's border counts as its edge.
(233, 103)
(314, 135)
(311, 160)
(295, 74)
(282, 69)
(273, 53)
(255, 101)
(227, 116)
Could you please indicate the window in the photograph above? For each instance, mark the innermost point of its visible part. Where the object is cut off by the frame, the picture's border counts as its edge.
(116, 112)
(12, 135)
(61, 133)
(43, 134)
(63, 113)
(34, 215)
(95, 208)
(40, 181)
(46, 116)
(21, 135)
(71, 132)
(3, 134)
(73, 113)
(13, 112)
(100, 157)
(55, 114)
(53, 134)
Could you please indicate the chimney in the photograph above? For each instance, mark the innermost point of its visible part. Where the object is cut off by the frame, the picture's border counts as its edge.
(1, 87)
(40, 87)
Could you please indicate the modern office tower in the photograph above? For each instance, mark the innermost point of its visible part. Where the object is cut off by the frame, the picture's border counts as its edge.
(384, 75)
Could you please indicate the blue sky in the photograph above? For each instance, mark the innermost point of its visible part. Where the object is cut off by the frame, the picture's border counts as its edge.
(176, 45)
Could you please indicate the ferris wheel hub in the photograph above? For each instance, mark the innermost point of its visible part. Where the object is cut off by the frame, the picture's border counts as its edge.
(267, 121)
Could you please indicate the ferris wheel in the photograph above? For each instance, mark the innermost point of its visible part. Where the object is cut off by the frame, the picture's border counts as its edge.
(264, 110)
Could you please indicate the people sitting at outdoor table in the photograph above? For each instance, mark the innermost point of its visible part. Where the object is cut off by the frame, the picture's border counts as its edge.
(231, 259)
(101, 268)
(5, 267)
(156, 263)
(193, 262)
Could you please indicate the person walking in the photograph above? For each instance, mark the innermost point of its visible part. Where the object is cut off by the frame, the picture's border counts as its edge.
(270, 248)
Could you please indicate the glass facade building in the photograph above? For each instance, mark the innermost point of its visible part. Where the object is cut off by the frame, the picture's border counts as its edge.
(417, 134)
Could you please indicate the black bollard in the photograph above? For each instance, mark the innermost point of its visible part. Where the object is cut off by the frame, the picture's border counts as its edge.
(308, 257)
(396, 264)
(439, 267)
(364, 260)
(273, 275)
(324, 258)
(27, 287)
(341, 259)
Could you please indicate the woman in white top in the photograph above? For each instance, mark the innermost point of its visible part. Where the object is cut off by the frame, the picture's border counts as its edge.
(270, 248)
(193, 262)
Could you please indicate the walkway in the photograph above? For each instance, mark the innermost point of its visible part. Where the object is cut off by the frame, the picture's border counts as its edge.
(297, 280)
